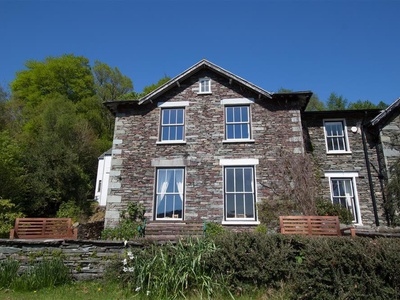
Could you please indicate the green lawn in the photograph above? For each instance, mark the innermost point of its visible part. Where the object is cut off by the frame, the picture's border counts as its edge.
(97, 290)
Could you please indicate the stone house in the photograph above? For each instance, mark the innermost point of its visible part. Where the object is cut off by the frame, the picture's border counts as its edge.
(200, 147)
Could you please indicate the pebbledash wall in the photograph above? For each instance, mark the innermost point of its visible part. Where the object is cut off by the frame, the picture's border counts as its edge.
(276, 123)
(87, 259)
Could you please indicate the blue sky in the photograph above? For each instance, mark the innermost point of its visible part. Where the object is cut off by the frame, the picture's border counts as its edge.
(345, 46)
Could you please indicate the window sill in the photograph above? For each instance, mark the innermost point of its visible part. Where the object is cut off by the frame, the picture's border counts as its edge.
(238, 141)
(338, 152)
(240, 222)
(170, 142)
(204, 93)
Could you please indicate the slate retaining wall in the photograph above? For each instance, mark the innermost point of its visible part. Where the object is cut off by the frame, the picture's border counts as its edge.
(87, 259)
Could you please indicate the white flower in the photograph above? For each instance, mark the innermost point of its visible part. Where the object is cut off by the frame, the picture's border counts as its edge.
(137, 289)
(131, 269)
(130, 255)
(124, 269)
(147, 293)
(125, 262)
(125, 242)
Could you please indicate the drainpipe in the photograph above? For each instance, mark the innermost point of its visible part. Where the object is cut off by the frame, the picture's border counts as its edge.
(371, 186)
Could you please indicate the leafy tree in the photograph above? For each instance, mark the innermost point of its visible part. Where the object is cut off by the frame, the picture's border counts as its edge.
(61, 158)
(336, 102)
(67, 75)
(149, 88)
(11, 166)
(315, 104)
(360, 104)
(110, 83)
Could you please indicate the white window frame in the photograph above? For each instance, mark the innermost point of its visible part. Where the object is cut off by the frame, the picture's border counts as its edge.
(355, 201)
(201, 85)
(173, 105)
(176, 193)
(345, 137)
(236, 102)
(240, 163)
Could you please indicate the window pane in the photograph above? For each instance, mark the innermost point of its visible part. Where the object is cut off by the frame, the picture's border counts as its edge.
(165, 118)
(249, 206)
(245, 131)
(238, 132)
(245, 114)
(229, 180)
(229, 132)
(230, 206)
(240, 206)
(239, 180)
(179, 132)
(160, 207)
(248, 179)
(173, 116)
(237, 114)
(169, 209)
(172, 133)
(229, 114)
(179, 116)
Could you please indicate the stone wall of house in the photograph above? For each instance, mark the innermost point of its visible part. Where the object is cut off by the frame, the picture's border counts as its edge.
(390, 139)
(349, 162)
(276, 125)
(87, 259)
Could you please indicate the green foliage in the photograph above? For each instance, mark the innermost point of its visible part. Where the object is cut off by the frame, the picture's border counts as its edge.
(8, 214)
(336, 102)
(67, 75)
(314, 268)
(8, 272)
(253, 259)
(110, 83)
(327, 208)
(70, 210)
(392, 205)
(269, 211)
(315, 104)
(45, 273)
(130, 225)
(213, 229)
(170, 271)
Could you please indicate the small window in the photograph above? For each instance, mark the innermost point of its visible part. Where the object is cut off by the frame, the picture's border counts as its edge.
(239, 193)
(169, 193)
(99, 186)
(172, 124)
(237, 122)
(204, 86)
(336, 136)
(342, 192)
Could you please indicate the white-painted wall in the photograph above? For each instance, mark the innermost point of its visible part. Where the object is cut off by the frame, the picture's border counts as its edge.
(102, 179)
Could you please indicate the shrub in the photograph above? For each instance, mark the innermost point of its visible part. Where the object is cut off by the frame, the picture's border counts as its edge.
(8, 214)
(70, 210)
(213, 229)
(327, 208)
(130, 225)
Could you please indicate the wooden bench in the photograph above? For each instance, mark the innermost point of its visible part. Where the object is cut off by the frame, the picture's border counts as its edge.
(44, 228)
(313, 225)
(173, 230)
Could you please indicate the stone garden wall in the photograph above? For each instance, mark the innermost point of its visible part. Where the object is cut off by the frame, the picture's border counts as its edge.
(87, 259)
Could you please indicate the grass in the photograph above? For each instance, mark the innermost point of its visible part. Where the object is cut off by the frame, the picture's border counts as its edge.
(99, 290)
